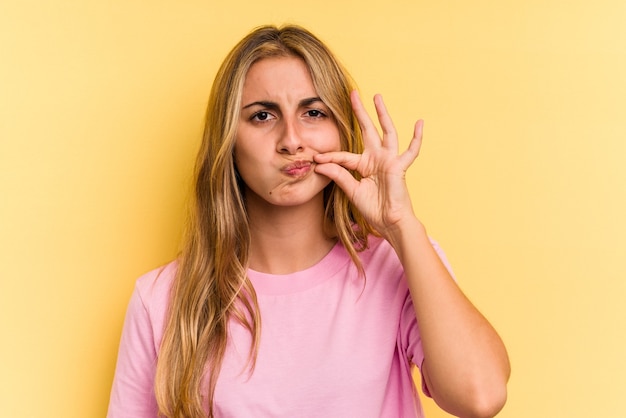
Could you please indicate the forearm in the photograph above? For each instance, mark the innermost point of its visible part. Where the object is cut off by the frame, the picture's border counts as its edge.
(466, 366)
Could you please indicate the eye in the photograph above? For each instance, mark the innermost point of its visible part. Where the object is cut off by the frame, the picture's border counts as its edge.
(261, 116)
(314, 113)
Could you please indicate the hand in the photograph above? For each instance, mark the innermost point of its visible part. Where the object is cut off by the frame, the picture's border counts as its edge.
(381, 195)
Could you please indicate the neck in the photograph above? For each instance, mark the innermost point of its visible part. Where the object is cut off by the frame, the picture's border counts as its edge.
(287, 239)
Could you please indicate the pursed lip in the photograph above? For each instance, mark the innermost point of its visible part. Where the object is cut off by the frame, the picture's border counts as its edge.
(297, 168)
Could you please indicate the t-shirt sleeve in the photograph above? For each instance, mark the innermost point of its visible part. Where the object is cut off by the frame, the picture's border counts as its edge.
(132, 394)
(410, 338)
(409, 329)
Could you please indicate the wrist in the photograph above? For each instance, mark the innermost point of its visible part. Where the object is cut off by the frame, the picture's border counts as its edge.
(404, 232)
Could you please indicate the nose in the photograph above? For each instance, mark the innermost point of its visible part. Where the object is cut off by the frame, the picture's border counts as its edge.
(290, 141)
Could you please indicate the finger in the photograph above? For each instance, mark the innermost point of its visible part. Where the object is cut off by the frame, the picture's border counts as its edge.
(390, 136)
(340, 176)
(415, 145)
(371, 138)
(344, 159)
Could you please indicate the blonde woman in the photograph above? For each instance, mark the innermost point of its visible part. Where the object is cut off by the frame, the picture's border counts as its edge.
(307, 286)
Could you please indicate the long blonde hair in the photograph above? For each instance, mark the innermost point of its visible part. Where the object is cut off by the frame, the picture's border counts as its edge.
(211, 287)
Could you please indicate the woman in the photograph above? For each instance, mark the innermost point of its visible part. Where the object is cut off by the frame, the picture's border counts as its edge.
(307, 286)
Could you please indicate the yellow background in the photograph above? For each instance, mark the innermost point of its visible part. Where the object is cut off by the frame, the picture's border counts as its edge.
(521, 178)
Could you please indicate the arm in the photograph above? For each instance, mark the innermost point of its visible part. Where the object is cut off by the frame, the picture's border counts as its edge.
(465, 363)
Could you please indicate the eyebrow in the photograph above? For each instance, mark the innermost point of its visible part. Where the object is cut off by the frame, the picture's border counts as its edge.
(272, 105)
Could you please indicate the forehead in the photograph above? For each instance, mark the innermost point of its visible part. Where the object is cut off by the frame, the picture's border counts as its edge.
(278, 77)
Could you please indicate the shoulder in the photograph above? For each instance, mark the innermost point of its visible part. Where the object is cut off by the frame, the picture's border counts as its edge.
(376, 243)
(153, 288)
(380, 254)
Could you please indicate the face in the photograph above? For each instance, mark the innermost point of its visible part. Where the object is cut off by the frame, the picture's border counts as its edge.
(283, 124)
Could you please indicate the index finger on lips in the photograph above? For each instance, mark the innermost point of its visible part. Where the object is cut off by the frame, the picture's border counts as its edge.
(342, 158)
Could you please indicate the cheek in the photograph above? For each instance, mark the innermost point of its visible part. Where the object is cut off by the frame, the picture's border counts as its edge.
(248, 160)
(329, 139)
(241, 150)
(240, 161)
(335, 144)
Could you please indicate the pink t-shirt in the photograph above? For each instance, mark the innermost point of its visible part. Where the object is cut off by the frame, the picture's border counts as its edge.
(332, 343)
